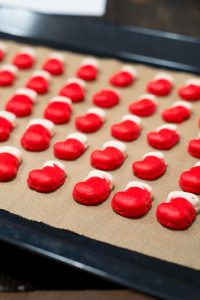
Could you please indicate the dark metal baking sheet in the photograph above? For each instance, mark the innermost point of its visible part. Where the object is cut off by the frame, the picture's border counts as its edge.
(128, 268)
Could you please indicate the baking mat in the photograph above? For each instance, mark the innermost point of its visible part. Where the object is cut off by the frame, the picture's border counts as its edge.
(58, 209)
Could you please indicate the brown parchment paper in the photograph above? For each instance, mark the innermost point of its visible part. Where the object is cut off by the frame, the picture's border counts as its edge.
(58, 209)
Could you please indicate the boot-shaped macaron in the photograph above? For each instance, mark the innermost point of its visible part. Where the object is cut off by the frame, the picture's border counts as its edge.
(151, 167)
(95, 189)
(194, 147)
(179, 211)
(92, 121)
(3, 50)
(134, 201)
(21, 103)
(161, 85)
(106, 98)
(145, 106)
(110, 157)
(54, 64)
(24, 58)
(72, 147)
(8, 75)
(177, 113)
(164, 137)
(74, 89)
(39, 82)
(189, 180)
(125, 77)
(7, 123)
(88, 69)
(47, 179)
(128, 129)
(10, 159)
(191, 90)
(37, 135)
(59, 110)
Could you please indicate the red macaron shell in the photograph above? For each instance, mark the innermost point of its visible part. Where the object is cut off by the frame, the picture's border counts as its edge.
(53, 66)
(108, 159)
(5, 129)
(70, 149)
(176, 114)
(194, 147)
(178, 214)
(74, 91)
(189, 180)
(20, 105)
(92, 191)
(23, 61)
(106, 98)
(2, 54)
(126, 131)
(36, 138)
(122, 79)
(88, 123)
(7, 78)
(58, 112)
(150, 168)
(47, 179)
(159, 87)
(87, 72)
(190, 92)
(134, 202)
(39, 84)
(164, 139)
(9, 165)
(143, 108)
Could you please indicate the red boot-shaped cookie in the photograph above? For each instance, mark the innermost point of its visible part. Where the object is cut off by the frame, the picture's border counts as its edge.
(88, 69)
(25, 58)
(21, 103)
(189, 180)
(191, 90)
(194, 147)
(125, 77)
(110, 157)
(54, 64)
(39, 82)
(134, 201)
(3, 50)
(127, 130)
(145, 106)
(8, 75)
(7, 124)
(106, 98)
(164, 138)
(95, 189)
(74, 89)
(71, 148)
(47, 179)
(59, 110)
(161, 85)
(177, 113)
(179, 211)
(38, 135)
(151, 167)
(10, 159)
(92, 121)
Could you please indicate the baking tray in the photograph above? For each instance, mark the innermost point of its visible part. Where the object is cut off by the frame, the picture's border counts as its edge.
(131, 269)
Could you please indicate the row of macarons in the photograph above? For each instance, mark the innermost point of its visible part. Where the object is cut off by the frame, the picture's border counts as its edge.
(128, 129)
(161, 84)
(177, 212)
(111, 157)
(21, 103)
